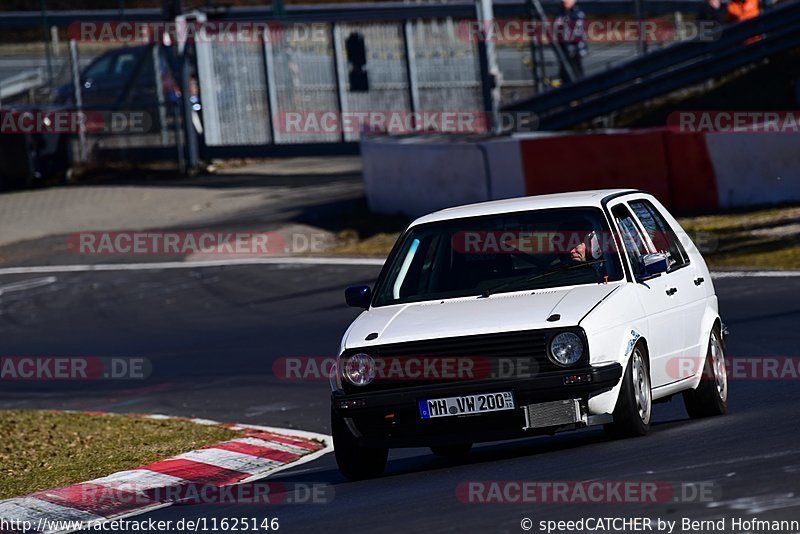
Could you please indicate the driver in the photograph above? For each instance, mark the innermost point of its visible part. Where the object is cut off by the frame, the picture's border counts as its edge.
(588, 246)
(577, 241)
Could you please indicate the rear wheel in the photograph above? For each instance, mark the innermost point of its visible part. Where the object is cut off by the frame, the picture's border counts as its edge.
(711, 396)
(635, 402)
(452, 452)
(355, 462)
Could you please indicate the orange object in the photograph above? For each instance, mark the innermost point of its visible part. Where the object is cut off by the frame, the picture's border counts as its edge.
(742, 10)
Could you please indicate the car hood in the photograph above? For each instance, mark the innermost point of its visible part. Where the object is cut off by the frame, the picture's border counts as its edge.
(505, 312)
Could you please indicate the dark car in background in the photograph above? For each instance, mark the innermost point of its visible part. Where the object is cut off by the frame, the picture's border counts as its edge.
(120, 77)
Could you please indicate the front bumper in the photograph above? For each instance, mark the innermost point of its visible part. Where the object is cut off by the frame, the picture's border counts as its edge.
(392, 419)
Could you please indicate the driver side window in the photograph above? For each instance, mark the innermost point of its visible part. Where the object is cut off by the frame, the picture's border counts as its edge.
(660, 233)
(632, 240)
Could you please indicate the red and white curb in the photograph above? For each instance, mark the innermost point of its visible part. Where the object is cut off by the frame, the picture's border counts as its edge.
(261, 452)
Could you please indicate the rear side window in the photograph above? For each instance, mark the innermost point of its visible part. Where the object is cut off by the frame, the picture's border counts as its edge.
(661, 233)
(124, 65)
(632, 240)
(98, 69)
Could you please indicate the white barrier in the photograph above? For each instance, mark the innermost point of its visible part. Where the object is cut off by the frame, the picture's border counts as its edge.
(506, 175)
(755, 168)
(415, 176)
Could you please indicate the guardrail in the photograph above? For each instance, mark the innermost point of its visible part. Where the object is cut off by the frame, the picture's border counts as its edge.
(24, 81)
(666, 70)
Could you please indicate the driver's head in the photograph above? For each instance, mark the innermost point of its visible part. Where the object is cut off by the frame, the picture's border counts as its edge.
(578, 252)
(575, 240)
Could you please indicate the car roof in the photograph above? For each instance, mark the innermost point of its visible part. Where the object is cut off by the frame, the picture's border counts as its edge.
(592, 198)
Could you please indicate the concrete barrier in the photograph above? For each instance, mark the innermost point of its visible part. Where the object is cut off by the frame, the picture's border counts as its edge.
(755, 168)
(634, 159)
(415, 176)
(688, 172)
(691, 175)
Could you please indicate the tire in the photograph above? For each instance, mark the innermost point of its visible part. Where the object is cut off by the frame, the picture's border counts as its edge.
(355, 462)
(634, 407)
(452, 452)
(711, 396)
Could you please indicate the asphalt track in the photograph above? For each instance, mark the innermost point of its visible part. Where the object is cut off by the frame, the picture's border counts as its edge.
(212, 336)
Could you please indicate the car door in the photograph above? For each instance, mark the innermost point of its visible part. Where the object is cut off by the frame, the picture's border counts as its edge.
(689, 277)
(666, 330)
(109, 76)
(97, 81)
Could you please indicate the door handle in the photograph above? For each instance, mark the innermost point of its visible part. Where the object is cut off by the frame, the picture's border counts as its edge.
(698, 281)
(671, 291)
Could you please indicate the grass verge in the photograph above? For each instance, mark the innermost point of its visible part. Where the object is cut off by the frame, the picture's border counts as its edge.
(42, 450)
(759, 239)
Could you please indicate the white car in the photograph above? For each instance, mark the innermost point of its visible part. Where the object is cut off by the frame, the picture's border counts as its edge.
(519, 317)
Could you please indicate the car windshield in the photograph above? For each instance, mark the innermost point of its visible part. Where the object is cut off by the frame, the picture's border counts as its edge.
(482, 256)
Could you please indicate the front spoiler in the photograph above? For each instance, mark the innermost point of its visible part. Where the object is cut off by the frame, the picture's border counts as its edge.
(391, 418)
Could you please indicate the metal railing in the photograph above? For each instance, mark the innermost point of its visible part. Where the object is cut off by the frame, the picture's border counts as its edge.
(667, 70)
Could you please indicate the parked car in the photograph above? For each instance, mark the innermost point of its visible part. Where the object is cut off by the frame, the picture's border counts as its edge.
(112, 73)
(550, 313)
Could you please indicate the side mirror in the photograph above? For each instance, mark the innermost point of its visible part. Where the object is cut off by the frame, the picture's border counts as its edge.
(358, 296)
(654, 264)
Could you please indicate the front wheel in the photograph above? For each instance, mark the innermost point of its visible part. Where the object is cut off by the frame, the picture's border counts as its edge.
(635, 403)
(711, 396)
(355, 462)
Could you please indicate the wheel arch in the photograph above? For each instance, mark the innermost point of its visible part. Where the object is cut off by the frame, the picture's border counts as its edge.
(711, 320)
(632, 336)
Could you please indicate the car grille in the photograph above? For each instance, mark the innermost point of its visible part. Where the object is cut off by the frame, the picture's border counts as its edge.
(506, 355)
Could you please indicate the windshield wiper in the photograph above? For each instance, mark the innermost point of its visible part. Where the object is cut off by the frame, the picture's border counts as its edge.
(563, 268)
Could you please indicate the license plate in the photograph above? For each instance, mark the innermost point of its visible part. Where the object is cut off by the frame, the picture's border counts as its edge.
(466, 404)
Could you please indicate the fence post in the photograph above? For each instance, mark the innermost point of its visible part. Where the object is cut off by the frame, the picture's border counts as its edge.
(341, 81)
(272, 88)
(641, 43)
(490, 72)
(162, 110)
(411, 68)
(192, 149)
(48, 52)
(78, 95)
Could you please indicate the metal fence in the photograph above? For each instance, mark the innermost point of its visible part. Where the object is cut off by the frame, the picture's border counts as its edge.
(246, 96)
(251, 91)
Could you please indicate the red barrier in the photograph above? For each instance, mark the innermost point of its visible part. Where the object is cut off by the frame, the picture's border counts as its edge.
(692, 180)
(634, 159)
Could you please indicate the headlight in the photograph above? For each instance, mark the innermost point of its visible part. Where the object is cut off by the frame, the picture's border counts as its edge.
(359, 369)
(566, 348)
